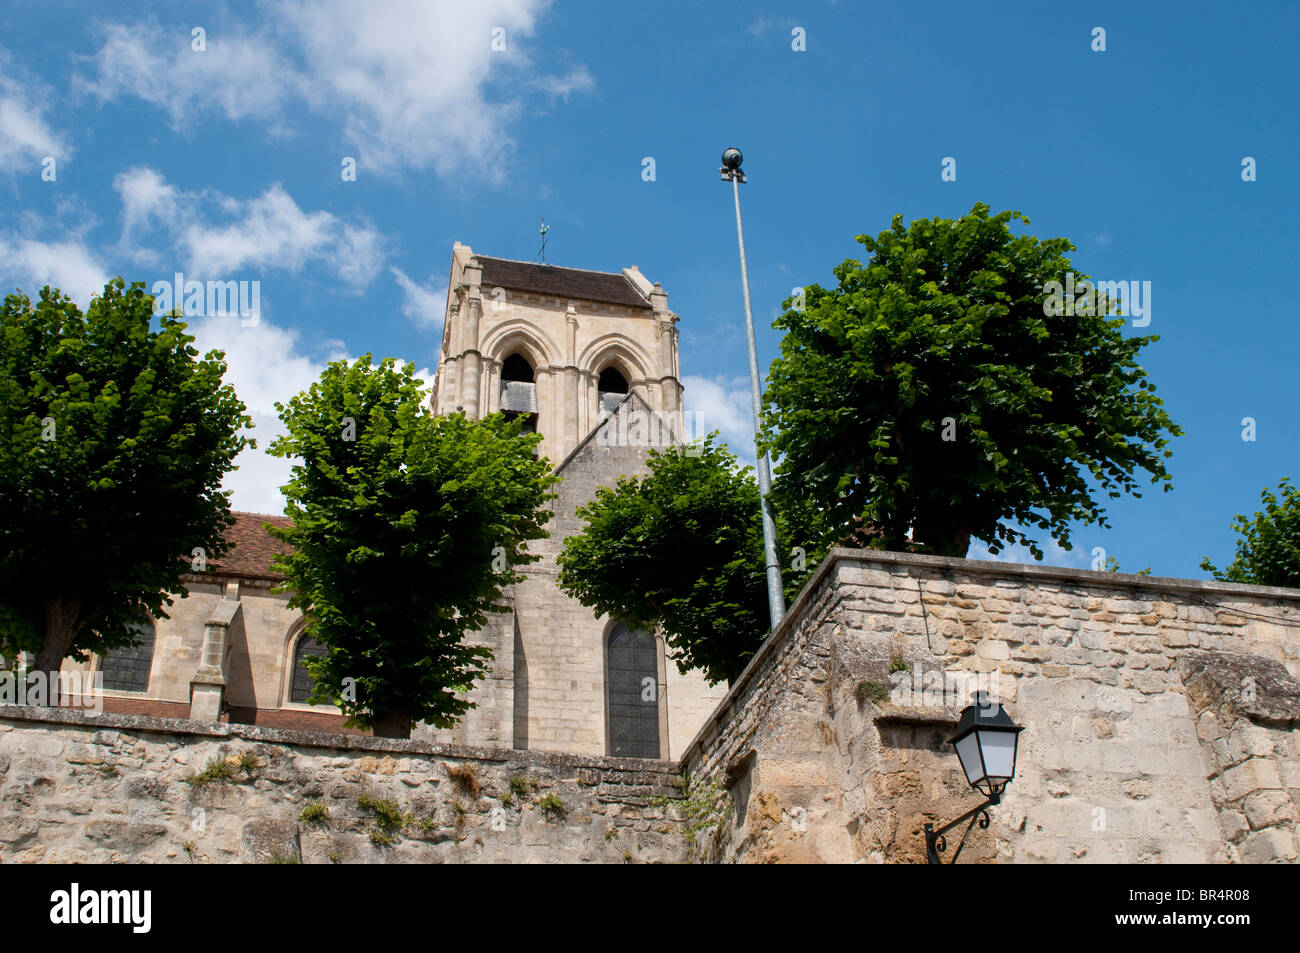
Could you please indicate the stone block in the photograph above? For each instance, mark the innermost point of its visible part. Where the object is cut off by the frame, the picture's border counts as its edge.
(989, 649)
(1268, 808)
(1275, 845)
(1254, 775)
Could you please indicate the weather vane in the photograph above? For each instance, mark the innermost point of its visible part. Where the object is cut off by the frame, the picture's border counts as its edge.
(542, 231)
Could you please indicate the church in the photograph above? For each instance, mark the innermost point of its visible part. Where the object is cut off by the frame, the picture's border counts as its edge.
(574, 353)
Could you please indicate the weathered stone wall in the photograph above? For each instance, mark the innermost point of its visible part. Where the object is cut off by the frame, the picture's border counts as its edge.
(1162, 723)
(76, 788)
(827, 754)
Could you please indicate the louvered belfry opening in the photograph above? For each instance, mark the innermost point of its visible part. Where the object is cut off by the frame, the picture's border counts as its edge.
(611, 388)
(519, 391)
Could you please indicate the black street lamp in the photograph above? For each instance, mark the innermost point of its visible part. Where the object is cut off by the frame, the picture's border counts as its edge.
(986, 742)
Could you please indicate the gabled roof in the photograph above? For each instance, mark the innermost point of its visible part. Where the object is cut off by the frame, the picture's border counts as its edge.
(251, 547)
(560, 282)
(631, 398)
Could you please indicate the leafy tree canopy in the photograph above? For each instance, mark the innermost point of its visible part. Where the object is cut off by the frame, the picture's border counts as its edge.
(679, 548)
(114, 439)
(1268, 552)
(930, 392)
(406, 527)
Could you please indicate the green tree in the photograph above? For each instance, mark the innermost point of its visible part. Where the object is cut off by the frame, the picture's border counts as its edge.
(406, 527)
(1268, 552)
(114, 440)
(679, 548)
(929, 391)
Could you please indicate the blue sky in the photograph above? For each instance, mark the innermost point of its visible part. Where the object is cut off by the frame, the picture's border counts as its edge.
(224, 163)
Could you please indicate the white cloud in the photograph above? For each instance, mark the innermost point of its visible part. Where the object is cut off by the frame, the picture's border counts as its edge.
(358, 255)
(147, 200)
(264, 364)
(25, 137)
(270, 231)
(67, 265)
(425, 376)
(577, 80)
(238, 74)
(424, 304)
(723, 404)
(412, 84)
(1054, 554)
(267, 232)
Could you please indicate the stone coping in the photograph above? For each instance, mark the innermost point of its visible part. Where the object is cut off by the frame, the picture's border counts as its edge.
(991, 568)
(73, 718)
(1091, 577)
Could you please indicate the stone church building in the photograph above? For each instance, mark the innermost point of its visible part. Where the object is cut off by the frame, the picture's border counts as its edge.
(573, 352)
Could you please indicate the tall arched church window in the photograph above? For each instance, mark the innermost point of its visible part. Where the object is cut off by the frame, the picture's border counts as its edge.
(611, 388)
(301, 686)
(633, 693)
(127, 669)
(519, 391)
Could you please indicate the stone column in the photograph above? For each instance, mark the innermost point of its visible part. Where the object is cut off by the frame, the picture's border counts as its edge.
(208, 685)
(572, 383)
(491, 386)
(670, 392)
(471, 360)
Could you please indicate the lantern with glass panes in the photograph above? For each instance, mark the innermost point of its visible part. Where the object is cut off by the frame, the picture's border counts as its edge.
(986, 743)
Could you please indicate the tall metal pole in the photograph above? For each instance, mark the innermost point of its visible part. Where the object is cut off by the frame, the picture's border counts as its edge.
(775, 595)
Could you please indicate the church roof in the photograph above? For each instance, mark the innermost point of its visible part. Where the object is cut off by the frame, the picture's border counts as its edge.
(251, 547)
(561, 282)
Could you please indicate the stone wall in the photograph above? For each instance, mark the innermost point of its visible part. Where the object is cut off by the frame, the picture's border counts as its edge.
(832, 745)
(118, 788)
(1162, 724)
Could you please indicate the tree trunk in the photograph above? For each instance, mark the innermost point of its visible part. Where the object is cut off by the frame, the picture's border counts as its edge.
(61, 627)
(392, 724)
(942, 538)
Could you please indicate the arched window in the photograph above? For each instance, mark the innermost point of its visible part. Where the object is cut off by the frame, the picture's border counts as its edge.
(301, 685)
(633, 693)
(127, 669)
(519, 391)
(516, 368)
(611, 387)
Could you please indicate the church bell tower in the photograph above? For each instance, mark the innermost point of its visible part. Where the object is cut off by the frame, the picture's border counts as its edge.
(557, 346)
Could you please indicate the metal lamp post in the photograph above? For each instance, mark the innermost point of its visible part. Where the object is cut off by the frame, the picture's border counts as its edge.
(986, 743)
(731, 160)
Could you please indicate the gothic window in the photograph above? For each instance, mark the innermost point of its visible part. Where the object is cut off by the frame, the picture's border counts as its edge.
(611, 388)
(519, 391)
(301, 686)
(127, 669)
(517, 368)
(633, 693)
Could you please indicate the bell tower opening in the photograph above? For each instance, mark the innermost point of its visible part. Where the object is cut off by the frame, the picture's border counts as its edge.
(611, 388)
(519, 391)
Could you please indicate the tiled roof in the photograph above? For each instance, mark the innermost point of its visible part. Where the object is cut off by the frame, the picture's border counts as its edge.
(251, 547)
(560, 282)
